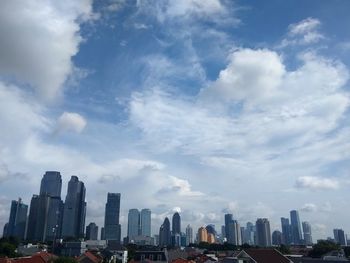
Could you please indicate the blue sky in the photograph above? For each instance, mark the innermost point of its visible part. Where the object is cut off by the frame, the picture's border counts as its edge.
(205, 107)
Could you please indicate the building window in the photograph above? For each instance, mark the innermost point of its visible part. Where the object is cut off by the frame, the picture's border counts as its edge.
(151, 257)
(159, 258)
(142, 257)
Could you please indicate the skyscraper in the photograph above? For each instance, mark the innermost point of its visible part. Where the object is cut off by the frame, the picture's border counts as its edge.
(295, 228)
(189, 235)
(92, 231)
(74, 209)
(46, 210)
(112, 228)
(146, 222)
(202, 234)
(286, 231)
(339, 237)
(18, 219)
(133, 224)
(263, 233)
(249, 234)
(176, 224)
(234, 233)
(164, 233)
(228, 219)
(51, 184)
(276, 238)
(307, 233)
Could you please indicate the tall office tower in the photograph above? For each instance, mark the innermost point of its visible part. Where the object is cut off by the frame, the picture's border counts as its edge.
(133, 224)
(249, 234)
(234, 233)
(102, 237)
(112, 228)
(176, 224)
(307, 233)
(189, 235)
(339, 237)
(51, 184)
(211, 238)
(74, 209)
(164, 233)
(38, 217)
(295, 228)
(242, 234)
(18, 219)
(4, 232)
(286, 231)
(91, 231)
(202, 234)
(223, 235)
(146, 222)
(263, 233)
(276, 238)
(228, 220)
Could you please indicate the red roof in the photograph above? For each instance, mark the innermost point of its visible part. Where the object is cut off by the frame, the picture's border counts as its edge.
(266, 256)
(41, 257)
(91, 256)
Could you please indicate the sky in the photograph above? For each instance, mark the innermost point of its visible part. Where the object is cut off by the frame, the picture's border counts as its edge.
(203, 107)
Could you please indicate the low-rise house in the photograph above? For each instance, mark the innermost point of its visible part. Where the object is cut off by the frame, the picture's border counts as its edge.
(261, 256)
(159, 256)
(41, 257)
(89, 257)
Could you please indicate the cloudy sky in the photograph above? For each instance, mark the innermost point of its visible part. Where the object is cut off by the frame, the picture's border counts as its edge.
(205, 107)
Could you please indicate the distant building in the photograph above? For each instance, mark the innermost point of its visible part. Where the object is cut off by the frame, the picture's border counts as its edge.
(263, 233)
(74, 209)
(189, 235)
(234, 233)
(211, 238)
(91, 231)
(18, 218)
(276, 238)
(295, 228)
(202, 234)
(165, 233)
(249, 234)
(51, 184)
(307, 233)
(102, 236)
(146, 222)
(176, 224)
(73, 249)
(340, 237)
(286, 231)
(133, 224)
(228, 220)
(112, 228)
(261, 256)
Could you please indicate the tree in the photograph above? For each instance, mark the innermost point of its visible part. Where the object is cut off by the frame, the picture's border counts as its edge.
(65, 260)
(283, 249)
(323, 247)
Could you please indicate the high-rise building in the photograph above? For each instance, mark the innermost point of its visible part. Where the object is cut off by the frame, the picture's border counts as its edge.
(74, 209)
(176, 224)
(295, 228)
(234, 233)
(228, 220)
(263, 233)
(211, 238)
(4, 232)
(340, 237)
(51, 184)
(276, 238)
(189, 235)
(249, 234)
(102, 237)
(46, 210)
(165, 233)
(18, 218)
(211, 229)
(146, 222)
(112, 228)
(91, 231)
(202, 234)
(223, 234)
(307, 233)
(286, 231)
(133, 224)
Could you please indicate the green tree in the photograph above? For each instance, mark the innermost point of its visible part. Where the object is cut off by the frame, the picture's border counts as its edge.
(284, 249)
(323, 247)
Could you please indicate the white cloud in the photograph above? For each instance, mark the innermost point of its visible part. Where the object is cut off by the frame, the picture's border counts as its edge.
(312, 182)
(309, 207)
(37, 52)
(303, 33)
(70, 122)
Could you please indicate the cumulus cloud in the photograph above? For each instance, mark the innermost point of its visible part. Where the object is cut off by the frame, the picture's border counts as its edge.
(309, 207)
(312, 182)
(303, 33)
(70, 122)
(29, 49)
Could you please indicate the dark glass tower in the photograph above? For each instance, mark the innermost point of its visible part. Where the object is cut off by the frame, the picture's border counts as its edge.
(145, 222)
(133, 223)
(176, 226)
(18, 219)
(286, 231)
(263, 232)
(51, 184)
(92, 231)
(164, 233)
(295, 228)
(228, 220)
(74, 210)
(112, 229)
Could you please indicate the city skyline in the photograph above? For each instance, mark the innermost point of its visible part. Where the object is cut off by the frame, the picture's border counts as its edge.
(202, 107)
